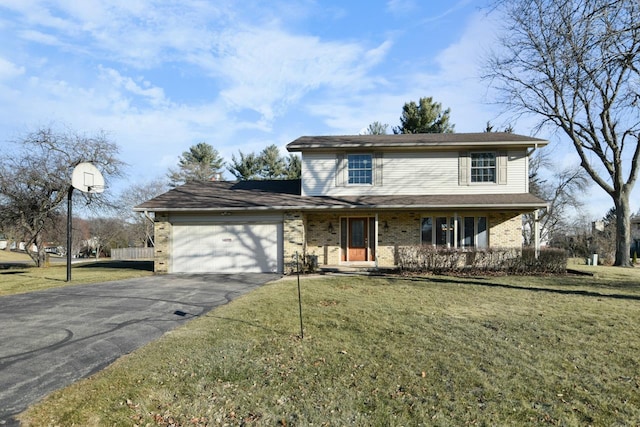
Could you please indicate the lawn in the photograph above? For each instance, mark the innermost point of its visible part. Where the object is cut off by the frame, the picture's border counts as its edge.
(12, 256)
(384, 351)
(21, 278)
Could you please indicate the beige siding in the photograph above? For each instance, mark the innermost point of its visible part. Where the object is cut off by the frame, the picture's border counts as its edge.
(318, 174)
(518, 171)
(411, 173)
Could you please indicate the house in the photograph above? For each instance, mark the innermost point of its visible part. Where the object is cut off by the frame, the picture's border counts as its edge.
(359, 199)
(635, 235)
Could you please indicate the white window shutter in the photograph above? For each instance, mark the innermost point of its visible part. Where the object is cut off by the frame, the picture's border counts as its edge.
(378, 169)
(463, 168)
(340, 166)
(502, 167)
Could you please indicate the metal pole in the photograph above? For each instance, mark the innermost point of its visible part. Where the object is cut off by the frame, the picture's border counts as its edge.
(536, 233)
(69, 230)
(299, 297)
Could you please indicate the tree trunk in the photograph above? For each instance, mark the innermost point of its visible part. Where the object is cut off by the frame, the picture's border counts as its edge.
(39, 255)
(623, 230)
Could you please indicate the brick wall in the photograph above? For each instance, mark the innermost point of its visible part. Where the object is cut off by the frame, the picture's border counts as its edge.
(324, 241)
(293, 240)
(162, 230)
(396, 229)
(505, 230)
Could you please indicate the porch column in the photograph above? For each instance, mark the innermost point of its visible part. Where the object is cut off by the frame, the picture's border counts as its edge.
(536, 233)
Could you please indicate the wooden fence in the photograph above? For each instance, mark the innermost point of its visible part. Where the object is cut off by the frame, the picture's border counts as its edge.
(129, 254)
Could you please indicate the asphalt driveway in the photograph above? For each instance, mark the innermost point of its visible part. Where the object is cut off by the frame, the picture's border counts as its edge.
(49, 339)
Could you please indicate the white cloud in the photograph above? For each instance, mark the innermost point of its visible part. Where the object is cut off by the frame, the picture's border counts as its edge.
(9, 70)
(400, 7)
(451, 79)
(143, 88)
(267, 69)
(141, 33)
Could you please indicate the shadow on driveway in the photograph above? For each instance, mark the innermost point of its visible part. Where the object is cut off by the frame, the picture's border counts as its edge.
(55, 337)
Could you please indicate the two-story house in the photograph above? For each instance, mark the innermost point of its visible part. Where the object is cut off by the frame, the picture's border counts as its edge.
(359, 199)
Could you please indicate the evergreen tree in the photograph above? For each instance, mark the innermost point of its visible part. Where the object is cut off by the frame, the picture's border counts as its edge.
(426, 116)
(377, 128)
(200, 164)
(245, 168)
(272, 165)
(294, 167)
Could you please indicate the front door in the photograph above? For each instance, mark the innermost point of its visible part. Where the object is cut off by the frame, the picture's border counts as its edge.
(358, 239)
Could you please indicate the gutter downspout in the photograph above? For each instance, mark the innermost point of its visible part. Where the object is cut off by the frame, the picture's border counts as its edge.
(146, 215)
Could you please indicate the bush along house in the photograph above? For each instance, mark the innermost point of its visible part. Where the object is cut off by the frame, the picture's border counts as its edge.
(360, 200)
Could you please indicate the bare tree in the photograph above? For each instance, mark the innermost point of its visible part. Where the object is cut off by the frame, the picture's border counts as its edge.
(140, 225)
(575, 65)
(35, 177)
(562, 188)
(106, 234)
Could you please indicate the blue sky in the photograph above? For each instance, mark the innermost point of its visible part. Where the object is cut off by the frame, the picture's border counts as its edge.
(160, 76)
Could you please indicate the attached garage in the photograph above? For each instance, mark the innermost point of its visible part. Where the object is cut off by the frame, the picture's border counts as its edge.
(230, 247)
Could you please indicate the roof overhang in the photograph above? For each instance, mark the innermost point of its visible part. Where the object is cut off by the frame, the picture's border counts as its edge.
(413, 142)
(346, 205)
(278, 196)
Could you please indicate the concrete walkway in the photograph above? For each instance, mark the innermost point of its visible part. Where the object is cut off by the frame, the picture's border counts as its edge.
(49, 339)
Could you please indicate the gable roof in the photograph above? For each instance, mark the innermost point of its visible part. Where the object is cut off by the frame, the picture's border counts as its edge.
(280, 195)
(421, 141)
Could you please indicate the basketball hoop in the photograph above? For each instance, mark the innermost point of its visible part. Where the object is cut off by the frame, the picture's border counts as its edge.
(87, 178)
(95, 189)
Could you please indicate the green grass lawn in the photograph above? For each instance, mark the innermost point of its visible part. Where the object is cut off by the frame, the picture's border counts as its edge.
(27, 278)
(384, 351)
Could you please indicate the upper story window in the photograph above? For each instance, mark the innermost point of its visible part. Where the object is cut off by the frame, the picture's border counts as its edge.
(483, 167)
(360, 168)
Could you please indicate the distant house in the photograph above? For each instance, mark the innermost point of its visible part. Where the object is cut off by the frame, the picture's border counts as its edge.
(635, 235)
(360, 198)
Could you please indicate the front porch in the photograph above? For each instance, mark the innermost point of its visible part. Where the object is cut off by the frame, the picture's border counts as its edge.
(369, 240)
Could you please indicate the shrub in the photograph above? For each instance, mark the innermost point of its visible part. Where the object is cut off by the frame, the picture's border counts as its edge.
(449, 260)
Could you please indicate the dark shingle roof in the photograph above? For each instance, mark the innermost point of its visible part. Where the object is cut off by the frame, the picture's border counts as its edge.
(413, 141)
(286, 195)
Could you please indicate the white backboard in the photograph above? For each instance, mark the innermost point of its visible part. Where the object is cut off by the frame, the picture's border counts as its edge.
(87, 178)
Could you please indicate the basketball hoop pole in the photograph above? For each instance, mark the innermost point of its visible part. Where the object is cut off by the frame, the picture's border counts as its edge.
(88, 179)
(69, 230)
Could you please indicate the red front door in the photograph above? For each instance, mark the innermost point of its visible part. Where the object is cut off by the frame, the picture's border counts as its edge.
(358, 239)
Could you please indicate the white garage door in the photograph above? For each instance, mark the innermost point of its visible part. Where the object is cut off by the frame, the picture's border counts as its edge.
(227, 248)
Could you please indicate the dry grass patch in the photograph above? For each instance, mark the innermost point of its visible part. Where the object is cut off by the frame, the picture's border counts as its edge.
(382, 351)
(11, 256)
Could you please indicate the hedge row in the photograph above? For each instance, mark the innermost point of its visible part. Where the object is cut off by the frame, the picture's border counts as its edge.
(436, 260)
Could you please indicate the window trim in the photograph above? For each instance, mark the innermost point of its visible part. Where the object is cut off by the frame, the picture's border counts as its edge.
(371, 170)
(465, 163)
(495, 167)
(455, 231)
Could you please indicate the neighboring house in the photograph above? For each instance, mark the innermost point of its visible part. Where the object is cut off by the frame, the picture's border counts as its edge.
(360, 199)
(635, 235)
